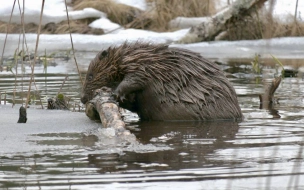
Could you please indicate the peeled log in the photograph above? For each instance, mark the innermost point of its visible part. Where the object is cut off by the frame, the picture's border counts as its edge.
(210, 28)
(103, 108)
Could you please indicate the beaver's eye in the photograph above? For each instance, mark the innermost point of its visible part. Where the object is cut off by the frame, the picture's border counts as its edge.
(90, 77)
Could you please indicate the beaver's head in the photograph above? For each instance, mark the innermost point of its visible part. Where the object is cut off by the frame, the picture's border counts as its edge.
(102, 71)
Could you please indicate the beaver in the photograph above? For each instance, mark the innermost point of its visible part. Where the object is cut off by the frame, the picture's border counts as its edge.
(159, 82)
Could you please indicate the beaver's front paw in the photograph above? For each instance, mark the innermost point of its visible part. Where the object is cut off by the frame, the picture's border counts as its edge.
(118, 96)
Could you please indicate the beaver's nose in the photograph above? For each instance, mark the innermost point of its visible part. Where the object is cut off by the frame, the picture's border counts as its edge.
(84, 99)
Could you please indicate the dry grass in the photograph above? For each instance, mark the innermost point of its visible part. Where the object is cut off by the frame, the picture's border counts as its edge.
(263, 26)
(166, 10)
(155, 19)
(16, 28)
(116, 12)
(290, 28)
(77, 26)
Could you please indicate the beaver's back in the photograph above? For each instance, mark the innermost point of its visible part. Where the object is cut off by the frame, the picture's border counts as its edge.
(183, 85)
(163, 83)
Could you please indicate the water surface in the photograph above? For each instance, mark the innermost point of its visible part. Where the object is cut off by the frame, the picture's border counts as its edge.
(59, 149)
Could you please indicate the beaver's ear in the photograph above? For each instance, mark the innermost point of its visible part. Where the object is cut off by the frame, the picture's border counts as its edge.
(103, 54)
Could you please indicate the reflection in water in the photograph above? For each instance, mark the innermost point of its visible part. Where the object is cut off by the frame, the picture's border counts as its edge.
(274, 112)
(191, 142)
(267, 100)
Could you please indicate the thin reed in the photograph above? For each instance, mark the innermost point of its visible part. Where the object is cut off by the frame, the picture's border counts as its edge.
(67, 12)
(35, 56)
(7, 31)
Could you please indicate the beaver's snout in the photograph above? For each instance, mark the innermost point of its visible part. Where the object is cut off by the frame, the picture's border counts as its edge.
(84, 99)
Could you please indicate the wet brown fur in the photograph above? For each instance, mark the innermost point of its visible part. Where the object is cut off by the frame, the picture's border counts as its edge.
(163, 83)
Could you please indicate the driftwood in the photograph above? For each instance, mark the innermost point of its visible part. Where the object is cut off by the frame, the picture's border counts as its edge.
(101, 107)
(212, 27)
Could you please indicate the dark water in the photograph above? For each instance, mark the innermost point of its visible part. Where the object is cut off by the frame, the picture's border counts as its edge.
(265, 151)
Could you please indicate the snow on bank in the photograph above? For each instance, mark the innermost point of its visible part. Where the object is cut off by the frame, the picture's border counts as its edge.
(283, 10)
(140, 4)
(105, 24)
(54, 11)
(89, 42)
(291, 47)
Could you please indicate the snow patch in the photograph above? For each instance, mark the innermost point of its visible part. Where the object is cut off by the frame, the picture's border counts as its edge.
(54, 11)
(105, 24)
(140, 4)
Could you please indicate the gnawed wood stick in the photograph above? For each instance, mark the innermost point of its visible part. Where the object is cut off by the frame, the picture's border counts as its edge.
(267, 99)
(101, 107)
